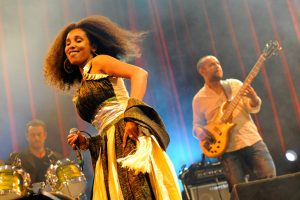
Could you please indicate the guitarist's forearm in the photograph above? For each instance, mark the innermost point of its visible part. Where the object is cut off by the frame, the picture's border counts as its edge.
(201, 134)
(196, 132)
(253, 108)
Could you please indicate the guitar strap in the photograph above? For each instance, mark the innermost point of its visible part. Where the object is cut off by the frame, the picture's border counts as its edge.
(227, 90)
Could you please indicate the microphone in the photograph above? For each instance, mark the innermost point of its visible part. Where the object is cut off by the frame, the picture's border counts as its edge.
(77, 148)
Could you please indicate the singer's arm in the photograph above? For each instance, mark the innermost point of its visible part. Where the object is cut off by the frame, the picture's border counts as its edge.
(92, 143)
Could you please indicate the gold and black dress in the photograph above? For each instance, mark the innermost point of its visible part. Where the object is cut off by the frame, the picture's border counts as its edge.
(141, 170)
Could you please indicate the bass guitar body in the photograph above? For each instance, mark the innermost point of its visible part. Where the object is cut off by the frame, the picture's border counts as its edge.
(219, 132)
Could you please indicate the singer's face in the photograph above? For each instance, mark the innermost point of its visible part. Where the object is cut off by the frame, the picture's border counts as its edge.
(78, 49)
(36, 137)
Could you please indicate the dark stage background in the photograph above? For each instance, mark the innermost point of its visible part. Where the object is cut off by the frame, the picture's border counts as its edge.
(180, 32)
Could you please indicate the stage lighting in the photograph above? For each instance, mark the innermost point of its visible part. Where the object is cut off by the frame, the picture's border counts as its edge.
(291, 155)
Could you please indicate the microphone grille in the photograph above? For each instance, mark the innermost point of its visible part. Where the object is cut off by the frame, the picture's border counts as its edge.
(72, 130)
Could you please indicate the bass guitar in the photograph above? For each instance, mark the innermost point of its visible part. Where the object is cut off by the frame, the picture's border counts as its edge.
(221, 124)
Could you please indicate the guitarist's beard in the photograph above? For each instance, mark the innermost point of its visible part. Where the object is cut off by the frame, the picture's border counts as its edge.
(217, 75)
(216, 78)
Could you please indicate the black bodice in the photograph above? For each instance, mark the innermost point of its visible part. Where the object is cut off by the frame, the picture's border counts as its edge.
(90, 96)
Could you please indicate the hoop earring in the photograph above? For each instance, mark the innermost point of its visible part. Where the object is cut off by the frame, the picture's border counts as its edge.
(94, 53)
(68, 67)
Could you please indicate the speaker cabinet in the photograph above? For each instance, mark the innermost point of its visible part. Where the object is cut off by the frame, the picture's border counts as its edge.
(285, 187)
(211, 191)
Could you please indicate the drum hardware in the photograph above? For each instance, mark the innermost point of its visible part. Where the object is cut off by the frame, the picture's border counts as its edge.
(40, 187)
(16, 159)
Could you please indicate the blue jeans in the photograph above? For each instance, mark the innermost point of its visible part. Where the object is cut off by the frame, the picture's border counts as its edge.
(254, 162)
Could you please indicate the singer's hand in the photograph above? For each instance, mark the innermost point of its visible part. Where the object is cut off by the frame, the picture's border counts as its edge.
(132, 131)
(73, 138)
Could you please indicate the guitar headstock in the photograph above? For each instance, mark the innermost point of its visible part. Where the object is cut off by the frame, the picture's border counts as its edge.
(271, 48)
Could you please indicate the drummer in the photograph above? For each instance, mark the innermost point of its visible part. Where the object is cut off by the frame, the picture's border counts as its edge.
(36, 159)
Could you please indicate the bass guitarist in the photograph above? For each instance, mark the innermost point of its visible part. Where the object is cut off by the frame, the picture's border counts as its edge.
(245, 149)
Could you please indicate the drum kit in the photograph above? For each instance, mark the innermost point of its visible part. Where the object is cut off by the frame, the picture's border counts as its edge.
(64, 180)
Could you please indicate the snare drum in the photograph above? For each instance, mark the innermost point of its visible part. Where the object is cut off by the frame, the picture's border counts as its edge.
(13, 182)
(66, 177)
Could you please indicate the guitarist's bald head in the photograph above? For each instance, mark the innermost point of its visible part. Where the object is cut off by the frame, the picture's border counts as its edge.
(202, 60)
